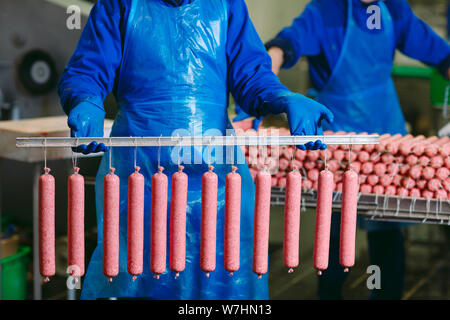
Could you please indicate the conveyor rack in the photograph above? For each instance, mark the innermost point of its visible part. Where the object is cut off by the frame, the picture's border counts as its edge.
(382, 207)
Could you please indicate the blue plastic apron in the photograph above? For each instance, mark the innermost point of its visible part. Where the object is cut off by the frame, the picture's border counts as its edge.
(360, 91)
(173, 76)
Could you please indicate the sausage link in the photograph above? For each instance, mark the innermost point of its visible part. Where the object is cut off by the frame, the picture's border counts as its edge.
(232, 221)
(47, 225)
(292, 220)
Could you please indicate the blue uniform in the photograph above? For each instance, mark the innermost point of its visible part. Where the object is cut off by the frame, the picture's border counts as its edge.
(319, 34)
(171, 65)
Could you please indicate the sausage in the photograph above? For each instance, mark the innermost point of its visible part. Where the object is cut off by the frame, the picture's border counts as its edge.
(362, 179)
(428, 173)
(392, 168)
(261, 225)
(402, 192)
(300, 154)
(386, 180)
(208, 228)
(404, 169)
(424, 161)
(333, 165)
(307, 184)
(406, 147)
(419, 148)
(378, 189)
(444, 150)
(75, 223)
(47, 225)
(414, 193)
(381, 147)
(282, 182)
(434, 185)
(363, 156)
(379, 169)
(442, 173)
(292, 220)
(348, 220)
(393, 146)
(283, 164)
(427, 194)
(339, 155)
(412, 160)
(366, 188)
(436, 162)
(274, 181)
(308, 165)
(433, 149)
(323, 221)
(408, 183)
(158, 221)
(111, 205)
(415, 172)
(367, 168)
(421, 184)
(178, 205)
(397, 180)
(447, 162)
(339, 186)
(387, 158)
(313, 174)
(232, 221)
(390, 190)
(313, 155)
(355, 166)
(373, 179)
(441, 194)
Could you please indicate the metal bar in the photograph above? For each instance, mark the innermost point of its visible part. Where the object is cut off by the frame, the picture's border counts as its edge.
(66, 142)
(37, 289)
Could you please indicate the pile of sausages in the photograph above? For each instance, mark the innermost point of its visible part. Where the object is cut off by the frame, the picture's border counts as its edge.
(405, 166)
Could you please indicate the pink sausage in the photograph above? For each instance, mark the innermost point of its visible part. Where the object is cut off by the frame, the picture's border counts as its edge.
(366, 188)
(281, 182)
(323, 221)
(348, 220)
(387, 158)
(338, 175)
(232, 221)
(313, 155)
(308, 165)
(339, 186)
(434, 185)
(381, 147)
(441, 194)
(447, 162)
(404, 169)
(350, 156)
(419, 149)
(379, 169)
(178, 205)
(355, 166)
(427, 194)
(397, 180)
(292, 220)
(428, 173)
(333, 165)
(261, 225)
(421, 184)
(363, 156)
(393, 146)
(373, 179)
(288, 153)
(444, 150)
(339, 155)
(386, 180)
(384, 138)
(307, 184)
(253, 173)
(375, 157)
(378, 189)
(442, 173)
(75, 224)
(406, 147)
(47, 224)
(392, 168)
(424, 161)
(434, 148)
(402, 192)
(415, 172)
(313, 174)
(111, 213)
(300, 155)
(297, 163)
(399, 159)
(446, 184)
(158, 222)
(367, 168)
(412, 160)
(362, 178)
(414, 193)
(408, 183)
(390, 190)
(208, 231)
(437, 162)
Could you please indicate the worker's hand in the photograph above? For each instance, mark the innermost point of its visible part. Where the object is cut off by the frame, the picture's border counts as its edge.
(242, 115)
(305, 117)
(277, 56)
(87, 120)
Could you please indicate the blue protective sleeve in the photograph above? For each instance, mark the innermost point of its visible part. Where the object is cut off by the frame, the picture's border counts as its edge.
(250, 78)
(91, 71)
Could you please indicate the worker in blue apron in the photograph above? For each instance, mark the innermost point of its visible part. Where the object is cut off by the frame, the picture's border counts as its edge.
(171, 65)
(350, 48)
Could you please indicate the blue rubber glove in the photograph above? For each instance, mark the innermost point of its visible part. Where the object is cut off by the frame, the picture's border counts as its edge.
(87, 120)
(305, 117)
(242, 115)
